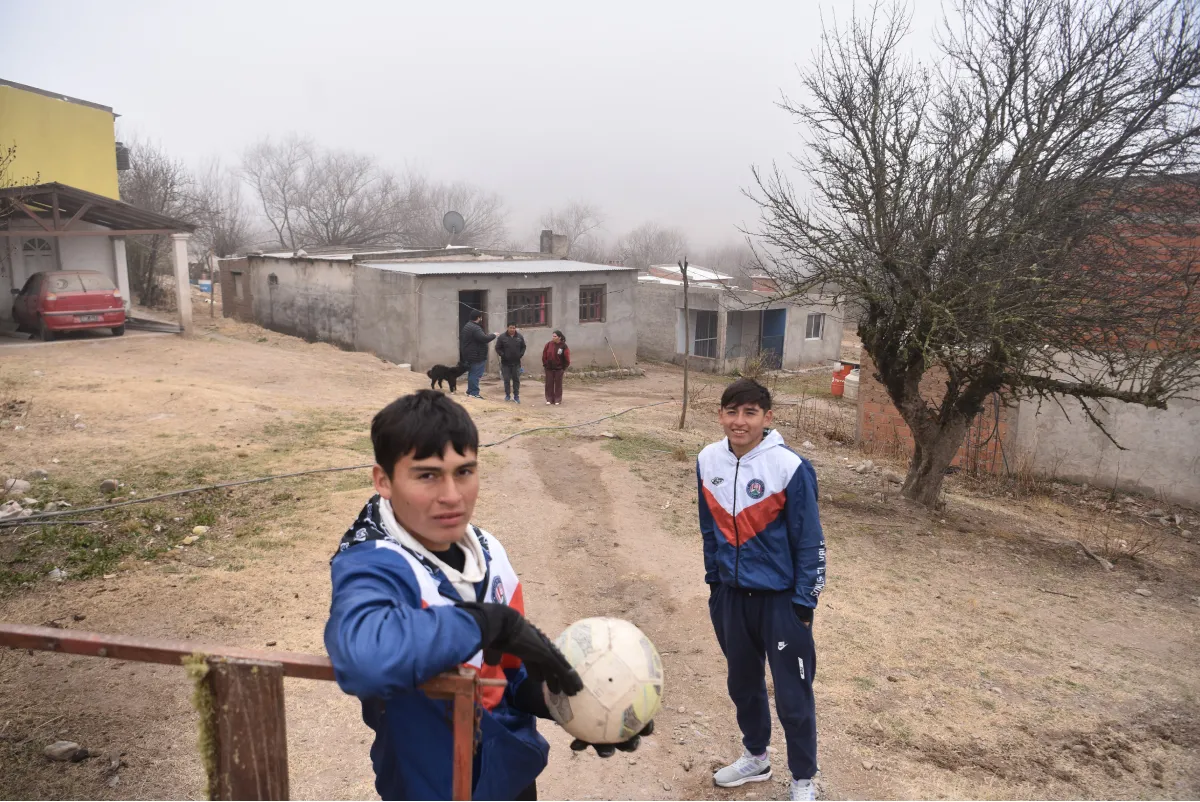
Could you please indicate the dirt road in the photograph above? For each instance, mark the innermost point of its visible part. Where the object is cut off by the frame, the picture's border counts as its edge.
(969, 653)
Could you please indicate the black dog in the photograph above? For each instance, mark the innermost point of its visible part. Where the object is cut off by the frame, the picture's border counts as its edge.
(445, 373)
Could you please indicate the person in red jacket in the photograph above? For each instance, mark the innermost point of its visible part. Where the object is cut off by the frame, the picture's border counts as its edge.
(556, 358)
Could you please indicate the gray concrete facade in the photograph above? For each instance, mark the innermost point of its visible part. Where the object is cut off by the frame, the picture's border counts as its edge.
(739, 315)
(1162, 447)
(407, 311)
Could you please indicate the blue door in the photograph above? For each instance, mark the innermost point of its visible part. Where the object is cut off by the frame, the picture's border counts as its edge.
(774, 323)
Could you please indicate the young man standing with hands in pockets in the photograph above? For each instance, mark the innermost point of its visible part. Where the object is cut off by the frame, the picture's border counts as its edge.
(764, 562)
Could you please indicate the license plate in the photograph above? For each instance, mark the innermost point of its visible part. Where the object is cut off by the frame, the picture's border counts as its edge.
(89, 318)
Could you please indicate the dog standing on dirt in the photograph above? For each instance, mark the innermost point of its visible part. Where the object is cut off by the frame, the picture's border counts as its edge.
(445, 373)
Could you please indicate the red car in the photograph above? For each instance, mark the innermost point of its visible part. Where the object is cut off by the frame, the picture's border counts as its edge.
(68, 300)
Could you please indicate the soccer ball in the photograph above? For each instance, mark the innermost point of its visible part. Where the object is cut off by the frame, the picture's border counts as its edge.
(622, 681)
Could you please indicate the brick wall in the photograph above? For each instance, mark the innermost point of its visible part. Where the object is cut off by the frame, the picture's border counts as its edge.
(880, 428)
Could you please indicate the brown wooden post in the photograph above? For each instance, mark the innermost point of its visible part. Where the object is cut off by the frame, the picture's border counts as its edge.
(464, 740)
(248, 730)
(244, 731)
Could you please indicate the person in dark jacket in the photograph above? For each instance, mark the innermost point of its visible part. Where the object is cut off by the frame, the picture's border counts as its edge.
(556, 358)
(418, 590)
(473, 349)
(510, 347)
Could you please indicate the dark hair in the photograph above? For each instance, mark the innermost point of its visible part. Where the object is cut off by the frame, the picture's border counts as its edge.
(476, 315)
(421, 424)
(746, 391)
(561, 336)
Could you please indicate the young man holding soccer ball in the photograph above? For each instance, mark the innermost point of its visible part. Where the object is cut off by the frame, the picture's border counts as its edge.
(417, 590)
(764, 562)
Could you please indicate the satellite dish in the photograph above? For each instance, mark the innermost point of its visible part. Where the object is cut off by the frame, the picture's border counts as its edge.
(454, 223)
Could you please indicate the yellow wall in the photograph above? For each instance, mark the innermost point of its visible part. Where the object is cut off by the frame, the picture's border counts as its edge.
(59, 141)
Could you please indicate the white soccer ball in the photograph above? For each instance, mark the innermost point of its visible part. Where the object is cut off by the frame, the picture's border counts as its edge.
(622, 681)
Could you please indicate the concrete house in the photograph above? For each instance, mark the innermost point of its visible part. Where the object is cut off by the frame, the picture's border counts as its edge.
(409, 306)
(66, 213)
(727, 326)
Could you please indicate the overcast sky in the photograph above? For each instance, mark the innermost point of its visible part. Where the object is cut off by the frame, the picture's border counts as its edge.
(654, 111)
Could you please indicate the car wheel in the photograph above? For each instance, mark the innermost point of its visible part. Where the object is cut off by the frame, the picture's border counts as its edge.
(44, 334)
(118, 330)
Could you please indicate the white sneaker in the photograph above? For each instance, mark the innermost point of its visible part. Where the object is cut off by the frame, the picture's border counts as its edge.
(803, 791)
(746, 769)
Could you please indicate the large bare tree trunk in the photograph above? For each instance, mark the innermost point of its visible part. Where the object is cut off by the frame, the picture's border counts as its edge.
(933, 451)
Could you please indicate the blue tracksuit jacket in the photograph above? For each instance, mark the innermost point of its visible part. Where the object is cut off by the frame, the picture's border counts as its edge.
(759, 520)
(392, 626)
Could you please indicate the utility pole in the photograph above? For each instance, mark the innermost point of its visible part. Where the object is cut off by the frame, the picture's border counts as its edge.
(687, 340)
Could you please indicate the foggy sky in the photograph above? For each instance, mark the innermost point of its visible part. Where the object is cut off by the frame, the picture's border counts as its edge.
(654, 111)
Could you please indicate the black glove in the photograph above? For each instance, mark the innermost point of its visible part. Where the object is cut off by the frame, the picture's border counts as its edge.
(803, 614)
(505, 631)
(607, 750)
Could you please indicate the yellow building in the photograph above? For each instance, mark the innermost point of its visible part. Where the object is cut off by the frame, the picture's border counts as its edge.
(59, 139)
(60, 206)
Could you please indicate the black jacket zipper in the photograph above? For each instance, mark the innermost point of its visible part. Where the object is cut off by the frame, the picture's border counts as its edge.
(737, 536)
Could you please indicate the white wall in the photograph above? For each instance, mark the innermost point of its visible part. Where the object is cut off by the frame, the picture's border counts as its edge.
(1162, 456)
(88, 253)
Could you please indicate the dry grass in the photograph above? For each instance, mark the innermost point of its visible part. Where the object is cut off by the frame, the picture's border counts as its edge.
(1115, 545)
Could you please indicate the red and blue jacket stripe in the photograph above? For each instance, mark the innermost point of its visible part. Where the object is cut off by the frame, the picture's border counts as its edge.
(393, 626)
(759, 520)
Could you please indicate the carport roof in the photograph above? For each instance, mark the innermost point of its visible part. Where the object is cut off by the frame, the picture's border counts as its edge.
(498, 267)
(57, 207)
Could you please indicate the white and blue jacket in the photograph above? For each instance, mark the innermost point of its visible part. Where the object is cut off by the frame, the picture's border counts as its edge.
(759, 519)
(392, 626)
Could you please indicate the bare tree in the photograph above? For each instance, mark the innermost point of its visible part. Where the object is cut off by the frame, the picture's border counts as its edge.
(276, 172)
(735, 259)
(651, 244)
(484, 213)
(581, 222)
(1020, 221)
(348, 199)
(157, 183)
(9, 178)
(224, 227)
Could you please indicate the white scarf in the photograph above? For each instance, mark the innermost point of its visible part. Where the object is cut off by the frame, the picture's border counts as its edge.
(474, 566)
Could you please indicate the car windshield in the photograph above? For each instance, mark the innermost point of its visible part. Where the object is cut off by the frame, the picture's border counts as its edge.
(93, 282)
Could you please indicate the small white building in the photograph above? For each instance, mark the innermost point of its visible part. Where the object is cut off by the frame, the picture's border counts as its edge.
(728, 327)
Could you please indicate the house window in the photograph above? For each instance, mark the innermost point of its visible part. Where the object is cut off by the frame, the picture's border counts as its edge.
(591, 303)
(38, 254)
(37, 247)
(706, 335)
(237, 284)
(528, 308)
(814, 329)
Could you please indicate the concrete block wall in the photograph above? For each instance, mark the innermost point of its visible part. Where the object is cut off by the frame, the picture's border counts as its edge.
(385, 314)
(239, 308)
(1159, 454)
(592, 344)
(989, 441)
(308, 298)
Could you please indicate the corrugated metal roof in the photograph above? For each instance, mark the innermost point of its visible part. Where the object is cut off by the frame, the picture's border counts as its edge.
(695, 273)
(505, 267)
(670, 282)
